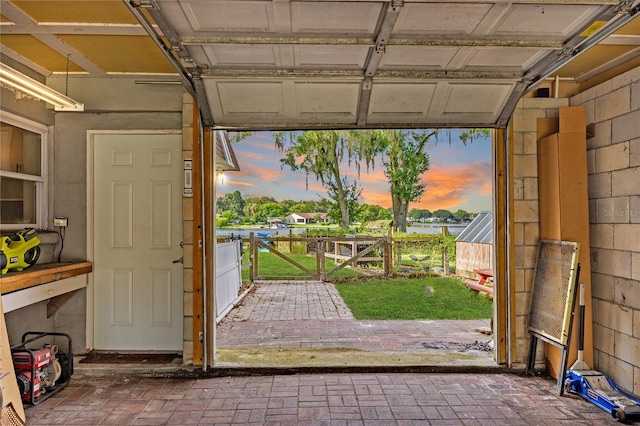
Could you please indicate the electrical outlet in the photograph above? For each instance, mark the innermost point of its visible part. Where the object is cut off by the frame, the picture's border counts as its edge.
(60, 222)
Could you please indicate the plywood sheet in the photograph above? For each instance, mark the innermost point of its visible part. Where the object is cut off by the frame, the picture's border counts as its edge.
(546, 126)
(11, 402)
(573, 120)
(549, 188)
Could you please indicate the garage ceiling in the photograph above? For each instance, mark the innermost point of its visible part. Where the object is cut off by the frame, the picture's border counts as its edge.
(276, 64)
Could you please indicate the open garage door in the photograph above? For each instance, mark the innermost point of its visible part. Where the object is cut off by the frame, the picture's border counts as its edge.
(265, 64)
(320, 64)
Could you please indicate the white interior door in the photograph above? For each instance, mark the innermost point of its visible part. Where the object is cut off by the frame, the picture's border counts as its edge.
(137, 236)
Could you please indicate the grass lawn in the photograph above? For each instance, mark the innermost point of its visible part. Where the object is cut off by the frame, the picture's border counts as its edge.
(408, 299)
(270, 265)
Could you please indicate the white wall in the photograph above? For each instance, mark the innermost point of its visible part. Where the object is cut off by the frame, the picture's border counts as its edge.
(120, 105)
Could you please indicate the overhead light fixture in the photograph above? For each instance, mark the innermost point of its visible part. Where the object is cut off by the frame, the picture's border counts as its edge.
(22, 83)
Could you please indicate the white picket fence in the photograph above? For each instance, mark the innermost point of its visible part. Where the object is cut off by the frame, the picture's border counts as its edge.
(228, 276)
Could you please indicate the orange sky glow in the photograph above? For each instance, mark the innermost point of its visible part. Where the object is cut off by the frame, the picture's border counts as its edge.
(459, 176)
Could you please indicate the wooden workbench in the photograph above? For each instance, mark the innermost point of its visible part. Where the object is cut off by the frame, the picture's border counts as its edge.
(42, 274)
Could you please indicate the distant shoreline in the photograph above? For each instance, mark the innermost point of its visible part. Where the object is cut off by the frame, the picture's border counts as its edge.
(431, 228)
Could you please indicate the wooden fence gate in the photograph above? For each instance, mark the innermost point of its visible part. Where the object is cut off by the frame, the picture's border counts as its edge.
(348, 250)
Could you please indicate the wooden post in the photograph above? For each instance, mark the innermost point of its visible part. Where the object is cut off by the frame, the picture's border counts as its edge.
(320, 259)
(445, 260)
(504, 246)
(387, 254)
(197, 249)
(290, 242)
(354, 251)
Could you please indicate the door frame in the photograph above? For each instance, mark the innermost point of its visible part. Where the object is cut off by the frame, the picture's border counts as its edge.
(91, 134)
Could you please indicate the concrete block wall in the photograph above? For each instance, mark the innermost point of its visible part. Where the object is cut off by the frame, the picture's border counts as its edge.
(526, 214)
(613, 109)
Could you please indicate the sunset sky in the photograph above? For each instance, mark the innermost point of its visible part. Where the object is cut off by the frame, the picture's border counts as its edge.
(459, 176)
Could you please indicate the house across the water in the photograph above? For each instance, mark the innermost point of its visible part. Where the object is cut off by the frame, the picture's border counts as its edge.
(306, 218)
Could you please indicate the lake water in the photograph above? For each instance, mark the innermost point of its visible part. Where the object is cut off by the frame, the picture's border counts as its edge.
(244, 232)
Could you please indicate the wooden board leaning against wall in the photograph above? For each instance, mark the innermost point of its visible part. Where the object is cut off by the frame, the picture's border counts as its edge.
(564, 207)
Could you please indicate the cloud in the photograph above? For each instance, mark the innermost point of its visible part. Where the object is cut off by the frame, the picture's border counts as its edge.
(451, 186)
(377, 198)
(312, 186)
(264, 174)
(231, 183)
(447, 187)
(372, 177)
(486, 188)
(253, 156)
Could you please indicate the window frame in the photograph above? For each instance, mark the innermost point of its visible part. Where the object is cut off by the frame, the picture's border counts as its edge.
(41, 180)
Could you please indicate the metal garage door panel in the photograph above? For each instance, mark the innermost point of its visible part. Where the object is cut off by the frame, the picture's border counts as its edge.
(332, 17)
(298, 102)
(485, 19)
(188, 17)
(556, 20)
(472, 98)
(242, 98)
(488, 58)
(441, 18)
(442, 103)
(331, 99)
(194, 16)
(260, 56)
(520, 58)
(408, 101)
(233, 55)
(322, 57)
(417, 57)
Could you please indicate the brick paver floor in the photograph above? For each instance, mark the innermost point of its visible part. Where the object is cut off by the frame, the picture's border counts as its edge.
(285, 314)
(292, 300)
(316, 399)
(310, 315)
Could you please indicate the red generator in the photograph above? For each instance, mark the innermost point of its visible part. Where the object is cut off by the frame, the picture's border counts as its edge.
(41, 371)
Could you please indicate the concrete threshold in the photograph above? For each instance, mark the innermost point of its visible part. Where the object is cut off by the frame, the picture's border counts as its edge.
(260, 362)
(126, 371)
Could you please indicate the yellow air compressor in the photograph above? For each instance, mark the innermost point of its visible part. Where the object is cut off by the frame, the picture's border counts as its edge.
(19, 251)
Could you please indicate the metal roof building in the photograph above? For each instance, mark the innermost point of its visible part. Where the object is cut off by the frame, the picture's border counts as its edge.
(474, 248)
(480, 230)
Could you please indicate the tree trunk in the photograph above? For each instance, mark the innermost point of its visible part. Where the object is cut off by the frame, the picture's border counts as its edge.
(402, 216)
(342, 201)
(345, 221)
(400, 210)
(344, 213)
